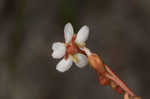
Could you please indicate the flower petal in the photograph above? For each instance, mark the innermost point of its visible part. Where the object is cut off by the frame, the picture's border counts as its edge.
(57, 54)
(64, 65)
(83, 34)
(57, 45)
(59, 50)
(68, 32)
(82, 60)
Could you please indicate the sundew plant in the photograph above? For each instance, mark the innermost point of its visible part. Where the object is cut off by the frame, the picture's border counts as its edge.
(74, 50)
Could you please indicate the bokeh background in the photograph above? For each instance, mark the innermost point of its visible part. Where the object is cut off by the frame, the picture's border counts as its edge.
(119, 33)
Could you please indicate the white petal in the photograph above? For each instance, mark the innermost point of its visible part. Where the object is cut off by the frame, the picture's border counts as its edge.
(57, 45)
(82, 35)
(68, 32)
(64, 65)
(59, 50)
(57, 54)
(82, 60)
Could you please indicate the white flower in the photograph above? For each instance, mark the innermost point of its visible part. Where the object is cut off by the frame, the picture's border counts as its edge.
(72, 49)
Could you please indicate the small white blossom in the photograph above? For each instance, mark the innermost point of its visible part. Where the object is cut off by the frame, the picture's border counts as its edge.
(76, 54)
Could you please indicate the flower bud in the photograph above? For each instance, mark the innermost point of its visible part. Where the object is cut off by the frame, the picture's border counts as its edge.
(115, 87)
(96, 63)
(103, 80)
(119, 90)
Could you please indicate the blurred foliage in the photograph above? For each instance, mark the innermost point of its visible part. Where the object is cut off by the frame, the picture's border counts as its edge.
(68, 12)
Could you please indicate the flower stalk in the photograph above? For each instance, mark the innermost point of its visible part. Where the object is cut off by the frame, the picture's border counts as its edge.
(108, 77)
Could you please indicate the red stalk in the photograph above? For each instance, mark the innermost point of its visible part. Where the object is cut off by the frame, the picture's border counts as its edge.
(117, 80)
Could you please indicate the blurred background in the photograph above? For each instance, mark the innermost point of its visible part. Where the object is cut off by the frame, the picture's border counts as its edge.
(119, 33)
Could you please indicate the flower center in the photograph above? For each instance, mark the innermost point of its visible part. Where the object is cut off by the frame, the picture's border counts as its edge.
(73, 48)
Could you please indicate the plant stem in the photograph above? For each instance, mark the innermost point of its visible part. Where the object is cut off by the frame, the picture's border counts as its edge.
(119, 82)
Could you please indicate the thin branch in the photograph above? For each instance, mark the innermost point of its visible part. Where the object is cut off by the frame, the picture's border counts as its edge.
(119, 82)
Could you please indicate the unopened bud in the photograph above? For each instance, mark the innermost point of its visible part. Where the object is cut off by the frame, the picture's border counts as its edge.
(96, 63)
(103, 80)
(119, 90)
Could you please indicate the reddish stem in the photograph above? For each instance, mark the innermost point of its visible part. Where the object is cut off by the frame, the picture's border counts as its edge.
(119, 82)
